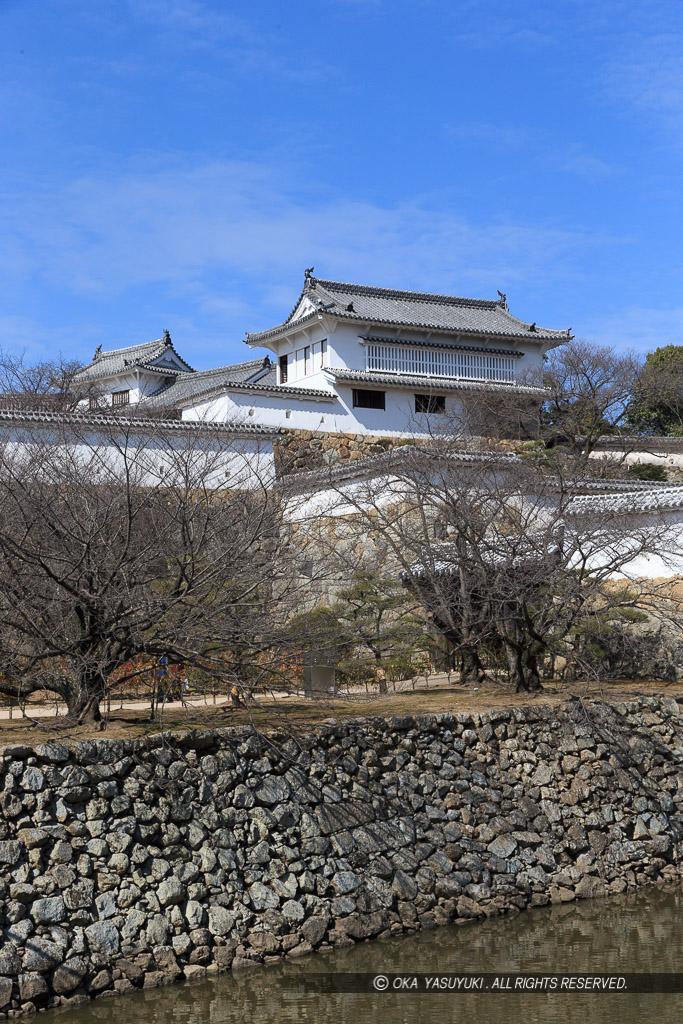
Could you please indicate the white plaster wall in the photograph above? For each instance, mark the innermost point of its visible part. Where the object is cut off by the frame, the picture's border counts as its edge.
(339, 416)
(346, 350)
(636, 458)
(228, 462)
(140, 386)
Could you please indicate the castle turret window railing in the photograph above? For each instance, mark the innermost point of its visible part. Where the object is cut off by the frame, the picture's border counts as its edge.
(439, 362)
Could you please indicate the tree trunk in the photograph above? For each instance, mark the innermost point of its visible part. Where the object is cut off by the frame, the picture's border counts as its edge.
(471, 670)
(83, 702)
(523, 666)
(380, 674)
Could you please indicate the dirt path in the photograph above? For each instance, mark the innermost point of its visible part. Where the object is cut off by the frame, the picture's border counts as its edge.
(293, 711)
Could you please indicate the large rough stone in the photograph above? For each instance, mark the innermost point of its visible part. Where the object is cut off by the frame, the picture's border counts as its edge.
(69, 975)
(31, 986)
(345, 881)
(41, 954)
(314, 929)
(135, 920)
(80, 894)
(103, 937)
(105, 904)
(273, 790)
(33, 780)
(158, 930)
(194, 914)
(11, 851)
(503, 846)
(5, 992)
(33, 837)
(55, 753)
(10, 961)
(404, 886)
(170, 892)
(262, 897)
(48, 911)
(20, 931)
(220, 921)
(293, 910)
(243, 797)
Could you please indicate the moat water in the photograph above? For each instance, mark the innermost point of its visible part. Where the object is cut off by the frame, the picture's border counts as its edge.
(636, 933)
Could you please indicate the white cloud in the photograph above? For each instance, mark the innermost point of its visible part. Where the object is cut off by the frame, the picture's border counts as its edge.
(195, 227)
(638, 327)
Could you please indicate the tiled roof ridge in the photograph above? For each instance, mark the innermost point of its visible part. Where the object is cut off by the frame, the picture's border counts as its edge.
(102, 419)
(163, 344)
(276, 389)
(212, 371)
(630, 502)
(388, 459)
(402, 293)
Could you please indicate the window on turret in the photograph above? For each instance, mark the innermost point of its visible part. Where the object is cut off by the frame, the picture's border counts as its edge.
(366, 399)
(283, 369)
(430, 403)
(120, 398)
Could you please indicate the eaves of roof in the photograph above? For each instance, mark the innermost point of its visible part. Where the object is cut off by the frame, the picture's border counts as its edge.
(664, 499)
(120, 360)
(416, 310)
(393, 461)
(451, 346)
(276, 390)
(400, 380)
(140, 423)
(640, 442)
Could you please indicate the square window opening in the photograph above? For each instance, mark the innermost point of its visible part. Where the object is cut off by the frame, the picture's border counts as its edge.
(366, 399)
(430, 403)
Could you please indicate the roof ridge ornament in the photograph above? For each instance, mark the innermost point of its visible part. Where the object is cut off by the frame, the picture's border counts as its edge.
(308, 274)
(503, 298)
(167, 337)
(98, 352)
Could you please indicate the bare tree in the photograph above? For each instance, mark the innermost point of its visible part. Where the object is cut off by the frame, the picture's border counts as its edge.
(134, 542)
(506, 555)
(44, 384)
(589, 387)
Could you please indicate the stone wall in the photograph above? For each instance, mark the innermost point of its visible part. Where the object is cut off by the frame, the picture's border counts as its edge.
(300, 451)
(127, 864)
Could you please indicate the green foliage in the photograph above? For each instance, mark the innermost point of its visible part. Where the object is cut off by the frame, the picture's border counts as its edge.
(657, 403)
(380, 615)
(647, 471)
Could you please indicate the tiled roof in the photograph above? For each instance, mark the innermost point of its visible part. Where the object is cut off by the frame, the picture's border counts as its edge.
(239, 377)
(188, 385)
(402, 380)
(641, 442)
(394, 460)
(119, 360)
(448, 313)
(654, 499)
(141, 423)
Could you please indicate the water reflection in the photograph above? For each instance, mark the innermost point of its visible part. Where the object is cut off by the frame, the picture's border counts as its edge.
(638, 933)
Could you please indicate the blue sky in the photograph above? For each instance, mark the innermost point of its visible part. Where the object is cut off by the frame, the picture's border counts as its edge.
(177, 163)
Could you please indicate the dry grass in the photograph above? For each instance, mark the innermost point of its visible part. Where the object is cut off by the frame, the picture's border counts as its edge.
(300, 715)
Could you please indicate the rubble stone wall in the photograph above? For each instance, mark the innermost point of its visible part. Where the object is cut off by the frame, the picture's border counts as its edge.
(128, 864)
(300, 451)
